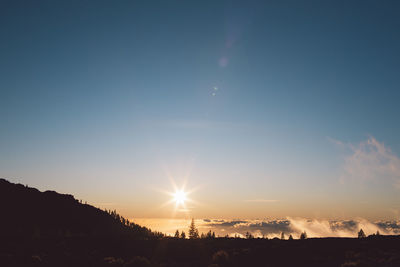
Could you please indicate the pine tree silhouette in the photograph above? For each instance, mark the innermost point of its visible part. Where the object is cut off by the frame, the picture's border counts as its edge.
(249, 235)
(303, 235)
(193, 232)
(361, 234)
(183, 235)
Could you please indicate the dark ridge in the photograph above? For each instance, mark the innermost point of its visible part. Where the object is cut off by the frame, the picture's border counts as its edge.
(27, 212)
(51, 229)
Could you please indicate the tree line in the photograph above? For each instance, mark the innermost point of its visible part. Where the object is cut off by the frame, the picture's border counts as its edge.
(193, 233)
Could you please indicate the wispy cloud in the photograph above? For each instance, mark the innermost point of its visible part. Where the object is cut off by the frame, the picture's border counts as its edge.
(370, 160)
(334, 141)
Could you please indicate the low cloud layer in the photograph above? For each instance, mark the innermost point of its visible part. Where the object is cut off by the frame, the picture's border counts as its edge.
(274, 228)
(295, 226)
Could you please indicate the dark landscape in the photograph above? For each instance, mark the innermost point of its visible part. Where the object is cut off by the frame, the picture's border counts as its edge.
(51, 229)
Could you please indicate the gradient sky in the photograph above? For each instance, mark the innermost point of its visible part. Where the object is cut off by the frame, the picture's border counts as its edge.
(268, 108)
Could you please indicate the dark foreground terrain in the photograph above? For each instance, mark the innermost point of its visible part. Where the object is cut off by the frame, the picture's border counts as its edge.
(93, 251)
(51, 229)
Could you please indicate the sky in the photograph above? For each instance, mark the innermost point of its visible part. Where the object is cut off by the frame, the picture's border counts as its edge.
(259, 109)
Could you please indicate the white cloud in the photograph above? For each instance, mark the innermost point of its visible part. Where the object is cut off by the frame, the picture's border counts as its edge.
(295, 226)
(274, 228)
(342, 228)
(371, 160)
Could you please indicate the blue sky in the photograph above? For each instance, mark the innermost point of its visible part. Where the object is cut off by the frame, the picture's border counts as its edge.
(255, 100)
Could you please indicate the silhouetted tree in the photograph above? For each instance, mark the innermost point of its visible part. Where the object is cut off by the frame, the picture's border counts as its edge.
(303, 235)
(361, 234)
(283, 236)
(377, 233)
(249, 235)
(209, 234)
(193, 232)
(177, 234)
(183, 235)
(290, 237)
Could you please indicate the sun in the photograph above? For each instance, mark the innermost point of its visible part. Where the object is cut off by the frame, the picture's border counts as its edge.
(179, 197)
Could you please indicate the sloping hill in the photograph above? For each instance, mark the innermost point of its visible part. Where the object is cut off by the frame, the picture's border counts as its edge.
(28, 212)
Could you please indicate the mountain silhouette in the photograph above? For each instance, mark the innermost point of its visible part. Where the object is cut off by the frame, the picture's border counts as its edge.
(52, 229)
(27, 212)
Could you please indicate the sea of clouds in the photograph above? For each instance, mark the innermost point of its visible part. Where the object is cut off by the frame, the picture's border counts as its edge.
(271, 228)
(295, 226)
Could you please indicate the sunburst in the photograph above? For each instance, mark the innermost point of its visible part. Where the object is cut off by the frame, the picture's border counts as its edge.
(179, 197)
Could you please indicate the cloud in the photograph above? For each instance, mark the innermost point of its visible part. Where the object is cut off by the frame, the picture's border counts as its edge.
(349, 225)
(349, 228)
(371, 160)
(259, 228)
(223, 223)
(271, 227)
(261, 200)
(295, 226)
(336, 142)
(390, 226)
(274, 228)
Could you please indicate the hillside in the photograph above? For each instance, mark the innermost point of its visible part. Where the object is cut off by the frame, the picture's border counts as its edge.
(52, 229)
(27, 212)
